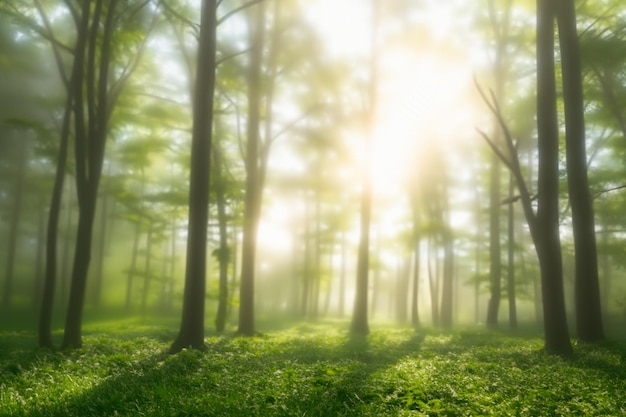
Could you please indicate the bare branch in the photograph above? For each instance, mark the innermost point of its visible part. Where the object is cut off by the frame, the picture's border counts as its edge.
(237, 10)
(608, 190)
(39, 30)
(194, 26)
(231, 56)
(496, 150)
(55, 47)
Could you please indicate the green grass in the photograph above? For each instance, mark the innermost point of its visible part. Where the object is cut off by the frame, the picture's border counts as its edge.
(309, 370)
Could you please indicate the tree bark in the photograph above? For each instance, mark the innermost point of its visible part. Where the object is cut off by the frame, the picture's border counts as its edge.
(223, 252)
(587, 288)
(415, 318)
(448, 278)
(546, 230)
(511, 258)
(253, 173)
(191, 333)
(360, 325)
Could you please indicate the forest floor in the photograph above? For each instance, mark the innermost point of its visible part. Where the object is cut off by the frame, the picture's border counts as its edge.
(309, 370)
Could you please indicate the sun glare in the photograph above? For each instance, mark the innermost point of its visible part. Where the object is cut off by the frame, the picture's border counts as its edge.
(422, 97)
(423, 101)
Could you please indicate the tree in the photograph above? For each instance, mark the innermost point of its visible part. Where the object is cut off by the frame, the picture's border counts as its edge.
(254, 172)
(544, 225)
(191, 333)
(359, 324)
(501, 33)
(547, 224)
(588, 306)
(97, 86)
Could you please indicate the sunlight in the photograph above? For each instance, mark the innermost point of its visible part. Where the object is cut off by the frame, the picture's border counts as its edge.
(421, 98)
(425, 94)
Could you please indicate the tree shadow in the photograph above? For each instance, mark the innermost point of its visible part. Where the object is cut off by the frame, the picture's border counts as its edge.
(235, 376)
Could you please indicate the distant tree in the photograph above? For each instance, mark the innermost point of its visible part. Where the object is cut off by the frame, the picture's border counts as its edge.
(500, 20)
(223, 251)
(360, 324)
(18, 191)
(254, 171)
(588, 306)
(191, 333)
(98, 84)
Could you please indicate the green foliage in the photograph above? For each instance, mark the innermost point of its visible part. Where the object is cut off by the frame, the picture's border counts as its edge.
(313, 370)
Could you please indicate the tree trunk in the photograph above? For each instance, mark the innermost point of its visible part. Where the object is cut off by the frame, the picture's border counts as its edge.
(415, 318)
(147, 277)
(402, 289)
(511, 258)
(132, 269)
(96, 288)
(253, 173)
(191, 333)
(360, 325)
(432, 281)
(47, 300)
(41, 230)
(448, 277)
(547, 240)
(588, 306)
(342, 275)
(223, 252)
(72, 334)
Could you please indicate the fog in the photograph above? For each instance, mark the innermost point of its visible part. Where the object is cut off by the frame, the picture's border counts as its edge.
(428, 164)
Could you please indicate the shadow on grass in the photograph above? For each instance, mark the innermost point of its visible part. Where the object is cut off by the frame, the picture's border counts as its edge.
(267, 375)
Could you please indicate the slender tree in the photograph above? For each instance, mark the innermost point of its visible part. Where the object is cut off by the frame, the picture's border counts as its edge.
(588, 306)
(191, 333)
(544, 225)
(360, 324)
(547, 240)
(253, 172)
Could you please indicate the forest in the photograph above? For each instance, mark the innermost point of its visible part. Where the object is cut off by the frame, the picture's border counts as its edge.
(289, 207)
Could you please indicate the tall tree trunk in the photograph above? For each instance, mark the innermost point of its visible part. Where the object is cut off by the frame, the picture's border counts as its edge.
(343, 273)
(432, 281)
(511, 258)
(41, 230)
(132, 269)
(191, 332)
(47, 300)
(588, 306)
(72, 334)
(96, 288)
(65, 256)
(147, 277)
(607, 270)
(547, 240)
(415, 318)
(495, 267)
(223, 252)
(253, 173)
(448, 278)
(500, 22)
(360, 325)
(306, 272)
(402, 289)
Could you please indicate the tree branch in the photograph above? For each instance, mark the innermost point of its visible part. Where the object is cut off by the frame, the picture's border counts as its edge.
(237, 10)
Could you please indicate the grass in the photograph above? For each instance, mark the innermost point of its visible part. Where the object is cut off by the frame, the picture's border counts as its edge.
(309, 370)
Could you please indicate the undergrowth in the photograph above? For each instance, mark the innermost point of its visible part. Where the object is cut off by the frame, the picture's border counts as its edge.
(310, 370)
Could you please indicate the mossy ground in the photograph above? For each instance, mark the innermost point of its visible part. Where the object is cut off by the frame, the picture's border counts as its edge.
(309, 370)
